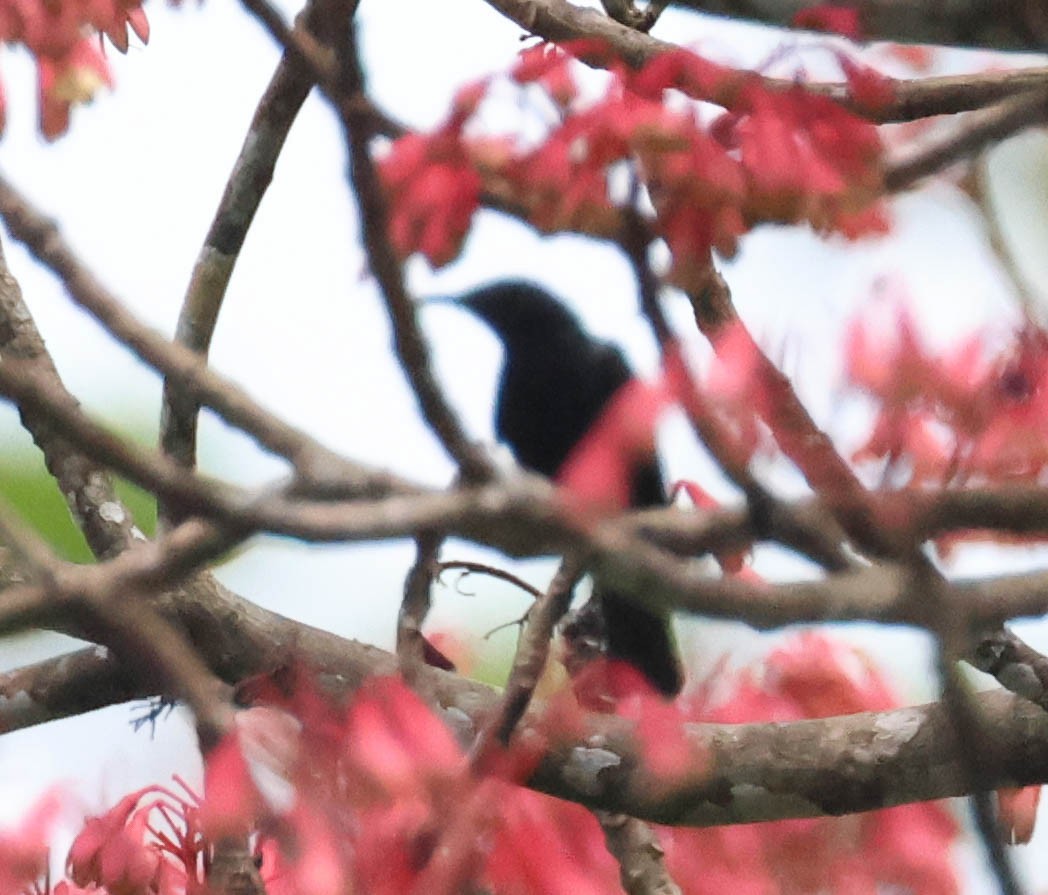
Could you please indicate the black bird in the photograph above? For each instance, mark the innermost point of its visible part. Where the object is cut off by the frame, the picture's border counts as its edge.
(556, 381)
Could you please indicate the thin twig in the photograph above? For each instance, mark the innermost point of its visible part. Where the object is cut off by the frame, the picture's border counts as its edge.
(410, 346)
(480, 568)
(345, 90)
(792, 427)
(414, 607)
(978, 131)
(528, 663)
(824, 542)
(634, 844)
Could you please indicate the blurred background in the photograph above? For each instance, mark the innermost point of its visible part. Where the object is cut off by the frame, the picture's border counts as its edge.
(134, 186)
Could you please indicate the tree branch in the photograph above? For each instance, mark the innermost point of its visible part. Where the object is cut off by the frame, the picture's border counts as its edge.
(147, 643)
(980, 130)
(408, 341)
(560, 21)
(248, 182)
(311, 460)
(529, 661)
(741, 774)
(997, 24)
(107, 524)
(634, 844)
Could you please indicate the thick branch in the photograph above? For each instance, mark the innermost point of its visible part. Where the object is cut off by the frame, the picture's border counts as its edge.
(741, 773)
(997, 24)
(151, 645)
(105, 521)
(802, 769)
(560, 21)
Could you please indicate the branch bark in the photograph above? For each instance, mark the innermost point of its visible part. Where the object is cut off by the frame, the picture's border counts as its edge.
(997, 24)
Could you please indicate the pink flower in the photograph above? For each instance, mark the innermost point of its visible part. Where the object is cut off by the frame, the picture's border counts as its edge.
(23, 850)
(73, 78)
(830, 17)
(906, 848)
(599, 470)
(1017, 812)
(61, 35)
(113, 851)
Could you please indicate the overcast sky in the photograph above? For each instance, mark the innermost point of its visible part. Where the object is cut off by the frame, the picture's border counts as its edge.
(134, 187)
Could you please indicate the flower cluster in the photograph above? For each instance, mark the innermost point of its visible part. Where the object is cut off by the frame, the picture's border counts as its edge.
(71, 66)
(786, 156)
(379, 798)
(376, 798)
(969, 413)
(903, 849)
(733, 396)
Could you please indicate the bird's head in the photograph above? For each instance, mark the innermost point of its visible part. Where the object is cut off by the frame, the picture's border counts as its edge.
(519, 311)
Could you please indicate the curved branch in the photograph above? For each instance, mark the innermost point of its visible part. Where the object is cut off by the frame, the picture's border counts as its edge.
(248, 182)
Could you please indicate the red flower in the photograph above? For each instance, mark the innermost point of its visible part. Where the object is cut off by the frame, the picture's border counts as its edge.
(548, 847)
(1017, 813)
(232, 802)
(867, 85)
(683, 70)
(830, 17)
(75, 77)
(433, 185)
(955, 415)
(23, 850)
(113, 851)
(70, 65)
(547, 65)
(599, 470)
(905, 848)
(317, 861)
(782, 156)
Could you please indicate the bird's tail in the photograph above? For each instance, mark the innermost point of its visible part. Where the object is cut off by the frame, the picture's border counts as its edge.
(644, 640)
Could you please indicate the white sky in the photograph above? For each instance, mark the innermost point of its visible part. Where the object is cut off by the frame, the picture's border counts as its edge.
(134, 187)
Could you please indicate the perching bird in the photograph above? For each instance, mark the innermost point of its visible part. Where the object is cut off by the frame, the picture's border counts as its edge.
(556, 381)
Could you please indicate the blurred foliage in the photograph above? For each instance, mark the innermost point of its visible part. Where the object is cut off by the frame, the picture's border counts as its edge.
(26, 485)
